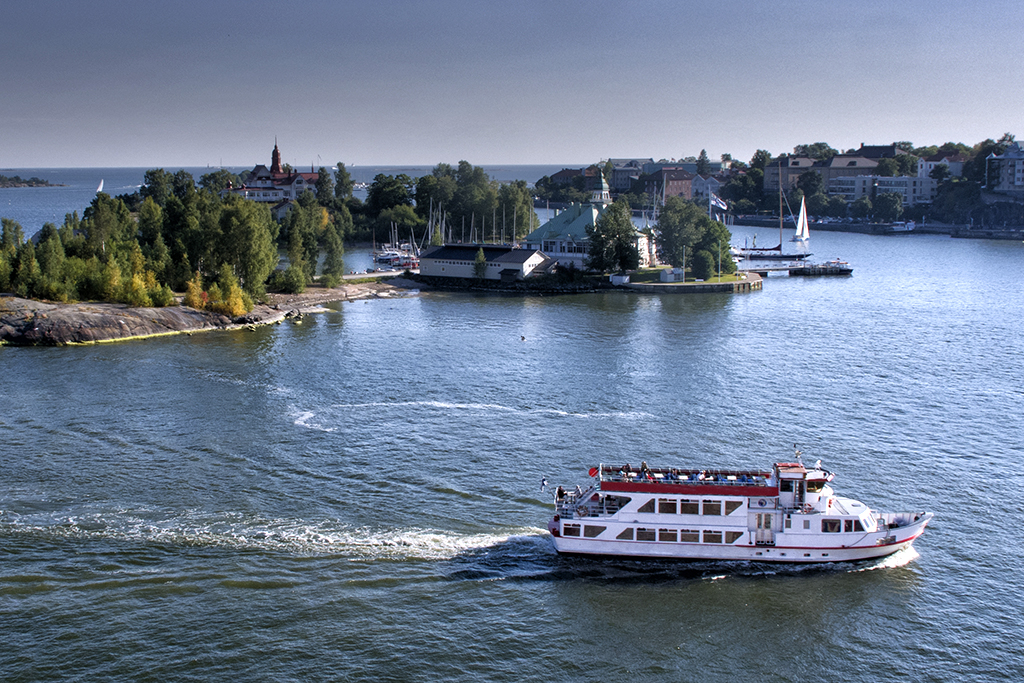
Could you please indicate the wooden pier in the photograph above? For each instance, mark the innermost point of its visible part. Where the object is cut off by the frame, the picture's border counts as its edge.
(799, 268)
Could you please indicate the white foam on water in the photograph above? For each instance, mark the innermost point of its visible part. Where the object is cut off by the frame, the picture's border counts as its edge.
(900, 558)
(493, 407)
(235, 531)
(303, 418)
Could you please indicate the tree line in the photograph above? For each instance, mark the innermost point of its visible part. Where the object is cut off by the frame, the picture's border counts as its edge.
(176, 235)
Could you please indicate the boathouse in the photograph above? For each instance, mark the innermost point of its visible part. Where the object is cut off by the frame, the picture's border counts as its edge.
(503, 263)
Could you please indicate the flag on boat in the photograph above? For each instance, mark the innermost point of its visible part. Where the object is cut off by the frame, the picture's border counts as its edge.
(719, 202)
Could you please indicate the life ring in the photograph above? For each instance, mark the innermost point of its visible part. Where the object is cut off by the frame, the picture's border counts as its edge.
(581, 511)
(761, 503)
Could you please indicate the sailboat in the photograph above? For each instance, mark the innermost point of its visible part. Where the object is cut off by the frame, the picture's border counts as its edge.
(776, 253)
(803, 233)
(100, 188)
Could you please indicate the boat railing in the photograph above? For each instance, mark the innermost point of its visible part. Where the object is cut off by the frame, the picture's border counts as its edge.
(683, 477)
(575, 502)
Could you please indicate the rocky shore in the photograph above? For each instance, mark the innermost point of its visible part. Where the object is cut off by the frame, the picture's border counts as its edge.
(26, 322)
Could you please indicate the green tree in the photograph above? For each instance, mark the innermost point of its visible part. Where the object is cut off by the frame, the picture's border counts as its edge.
(836, 207)
(940, 172)
(810, 182)
(906, 164)
(183, 184)
(820, 151)
(703, 265)
(515, 207)
(818, 204)
(303, 225)
(342, 182)
(680, 225)
(386, 192)
(476, 197)
(888, 207)
(151, 221)
(612, 240)
(435, 191)
(480, 264)
(11, 235)
(703, 163)
(158, 184)
(246, 243)
(861, 208)
(107, 225)
(50, 252)
(761, 158)
(887, 168)
(324, 187)
(334, 257)
(219, 180)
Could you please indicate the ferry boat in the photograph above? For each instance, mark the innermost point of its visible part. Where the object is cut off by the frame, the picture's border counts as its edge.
(787, 514)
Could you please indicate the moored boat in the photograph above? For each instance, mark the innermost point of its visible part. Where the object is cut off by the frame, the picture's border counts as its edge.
(787, 514)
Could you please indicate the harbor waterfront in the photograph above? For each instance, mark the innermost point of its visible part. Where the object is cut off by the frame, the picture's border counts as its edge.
(358, 496)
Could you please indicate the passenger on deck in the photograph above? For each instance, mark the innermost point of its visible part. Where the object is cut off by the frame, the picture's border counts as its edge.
(560, 493)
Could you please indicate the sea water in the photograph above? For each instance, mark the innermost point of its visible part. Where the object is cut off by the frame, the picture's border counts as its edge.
(357, 496)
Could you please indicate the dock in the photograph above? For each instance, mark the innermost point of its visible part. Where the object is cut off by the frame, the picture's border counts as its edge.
(799, 268)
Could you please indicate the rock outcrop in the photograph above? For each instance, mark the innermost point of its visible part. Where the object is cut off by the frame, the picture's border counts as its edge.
(29, 322)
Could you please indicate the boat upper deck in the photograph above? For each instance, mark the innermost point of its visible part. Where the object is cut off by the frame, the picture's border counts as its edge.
(686, 481)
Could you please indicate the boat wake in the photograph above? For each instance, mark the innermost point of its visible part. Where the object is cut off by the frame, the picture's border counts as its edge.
(236, 531)
(493, 407)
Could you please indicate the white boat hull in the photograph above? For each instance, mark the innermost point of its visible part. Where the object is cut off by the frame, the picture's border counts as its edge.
(866, 549)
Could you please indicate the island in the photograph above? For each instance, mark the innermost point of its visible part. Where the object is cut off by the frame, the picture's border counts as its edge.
(30, 322)
(18, 181)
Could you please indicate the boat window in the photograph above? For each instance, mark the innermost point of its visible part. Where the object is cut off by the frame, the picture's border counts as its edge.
(571, 530)
(815, 486)
(667, 535)
(646, 535)
(851, 525)
(807, 524)
(831, 526)
(593, 531)
(733, 536)
(786, 485)
(647, 507)
(687, 536)
(712, 507)
(732, 506)
(712, 536)
(625, 534)
(666, 507)
(689, 507)
(789, 522)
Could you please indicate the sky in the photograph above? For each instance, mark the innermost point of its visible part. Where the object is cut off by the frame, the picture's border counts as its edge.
(102, 83)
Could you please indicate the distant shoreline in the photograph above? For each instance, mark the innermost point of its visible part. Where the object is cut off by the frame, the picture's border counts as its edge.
(18, 181)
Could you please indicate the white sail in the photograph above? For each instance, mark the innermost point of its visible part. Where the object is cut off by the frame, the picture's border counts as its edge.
(803, 233)
(100, 188)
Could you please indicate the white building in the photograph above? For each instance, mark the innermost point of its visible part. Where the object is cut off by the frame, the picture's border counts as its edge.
(274, 186)
(503, 263)
(1009, 169)
(913, 190)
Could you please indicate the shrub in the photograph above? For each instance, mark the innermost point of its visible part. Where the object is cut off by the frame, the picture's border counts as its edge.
(194, 295)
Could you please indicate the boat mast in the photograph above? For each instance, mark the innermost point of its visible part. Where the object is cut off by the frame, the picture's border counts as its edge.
(780, 205)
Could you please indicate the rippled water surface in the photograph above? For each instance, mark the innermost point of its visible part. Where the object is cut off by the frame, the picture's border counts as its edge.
(356, 497)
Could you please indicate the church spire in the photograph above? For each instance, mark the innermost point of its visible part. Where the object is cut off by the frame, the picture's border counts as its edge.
(275, 159)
